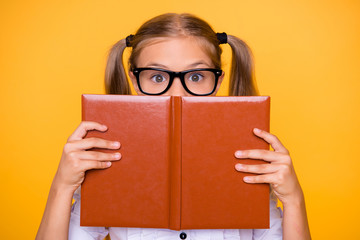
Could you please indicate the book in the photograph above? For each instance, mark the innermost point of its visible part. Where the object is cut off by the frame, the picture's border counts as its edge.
(177, 169)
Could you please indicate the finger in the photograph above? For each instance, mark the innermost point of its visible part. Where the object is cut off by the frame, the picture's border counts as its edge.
(87, 165)
(84, 127)
(262, 154)
(266, 178)
(95, 155)
(258, 168)
(89, 143)
(271, 139)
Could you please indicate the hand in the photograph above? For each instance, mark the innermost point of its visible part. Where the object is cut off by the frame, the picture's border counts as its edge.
(279, 173)
(76, 160)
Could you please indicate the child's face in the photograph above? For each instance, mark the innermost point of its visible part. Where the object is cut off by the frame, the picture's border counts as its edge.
(174, 54)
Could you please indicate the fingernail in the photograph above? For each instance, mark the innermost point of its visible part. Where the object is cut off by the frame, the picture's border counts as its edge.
(108, 164)
(104, 126)
(238, 167)
(238, 153)
(116, 144)
(247, 179)
(257, 131)
(117, 155)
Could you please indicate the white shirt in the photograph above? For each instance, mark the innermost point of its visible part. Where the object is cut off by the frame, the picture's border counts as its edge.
(99, 233)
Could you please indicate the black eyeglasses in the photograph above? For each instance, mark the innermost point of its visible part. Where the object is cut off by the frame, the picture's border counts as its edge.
(199, 82)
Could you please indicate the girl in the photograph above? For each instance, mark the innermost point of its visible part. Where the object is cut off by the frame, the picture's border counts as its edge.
(174, 43)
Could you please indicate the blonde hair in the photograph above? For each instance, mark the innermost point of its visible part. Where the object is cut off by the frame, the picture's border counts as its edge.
(177, 25)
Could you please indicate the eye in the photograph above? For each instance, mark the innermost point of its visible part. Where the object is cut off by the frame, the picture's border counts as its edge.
(196, 77)
(158, 78)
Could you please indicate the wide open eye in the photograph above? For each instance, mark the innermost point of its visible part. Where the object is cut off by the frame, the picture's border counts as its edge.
(158, 78)
(153, 81)
(201, 81)
(195, 77)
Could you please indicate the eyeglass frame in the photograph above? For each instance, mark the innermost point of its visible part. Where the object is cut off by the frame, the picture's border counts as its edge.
(180, 75)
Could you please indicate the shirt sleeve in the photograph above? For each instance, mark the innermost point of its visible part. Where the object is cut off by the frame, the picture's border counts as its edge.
(83, 233)
(275, 231)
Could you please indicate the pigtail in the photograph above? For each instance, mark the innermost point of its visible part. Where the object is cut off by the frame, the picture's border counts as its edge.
(115, 76)
(242, 82)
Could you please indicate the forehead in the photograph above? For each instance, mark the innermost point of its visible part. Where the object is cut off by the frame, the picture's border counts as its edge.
(174, 53)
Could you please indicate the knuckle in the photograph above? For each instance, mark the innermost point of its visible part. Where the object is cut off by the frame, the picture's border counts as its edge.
(71, 155)
(252, 168)
(96, 165)
(286, 152)
(83, 124)
(263, 167)
(285, 168)
(75, 164)
(109, 144)
(245, 153)
(102, 164)
(92, 141)
(280, 178)
(257, 178)
(274, 138)
(67, 148)
(264, 152)
(97, 155)
(287, 159)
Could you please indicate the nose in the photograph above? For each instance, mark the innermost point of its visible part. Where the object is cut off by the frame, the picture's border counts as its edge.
(176, 89)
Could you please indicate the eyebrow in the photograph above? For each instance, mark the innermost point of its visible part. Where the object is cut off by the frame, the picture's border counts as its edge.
(193, 65)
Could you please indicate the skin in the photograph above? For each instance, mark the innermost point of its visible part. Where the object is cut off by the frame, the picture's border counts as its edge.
(175, 54)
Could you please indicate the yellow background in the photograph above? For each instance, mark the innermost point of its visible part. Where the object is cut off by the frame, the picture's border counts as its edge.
(307, 56)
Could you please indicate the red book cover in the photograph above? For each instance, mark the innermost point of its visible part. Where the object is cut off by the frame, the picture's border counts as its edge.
(177, 168)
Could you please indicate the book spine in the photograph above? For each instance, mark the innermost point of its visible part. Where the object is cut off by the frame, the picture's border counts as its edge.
(175, 163)
(83, 218)
(83, 100)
